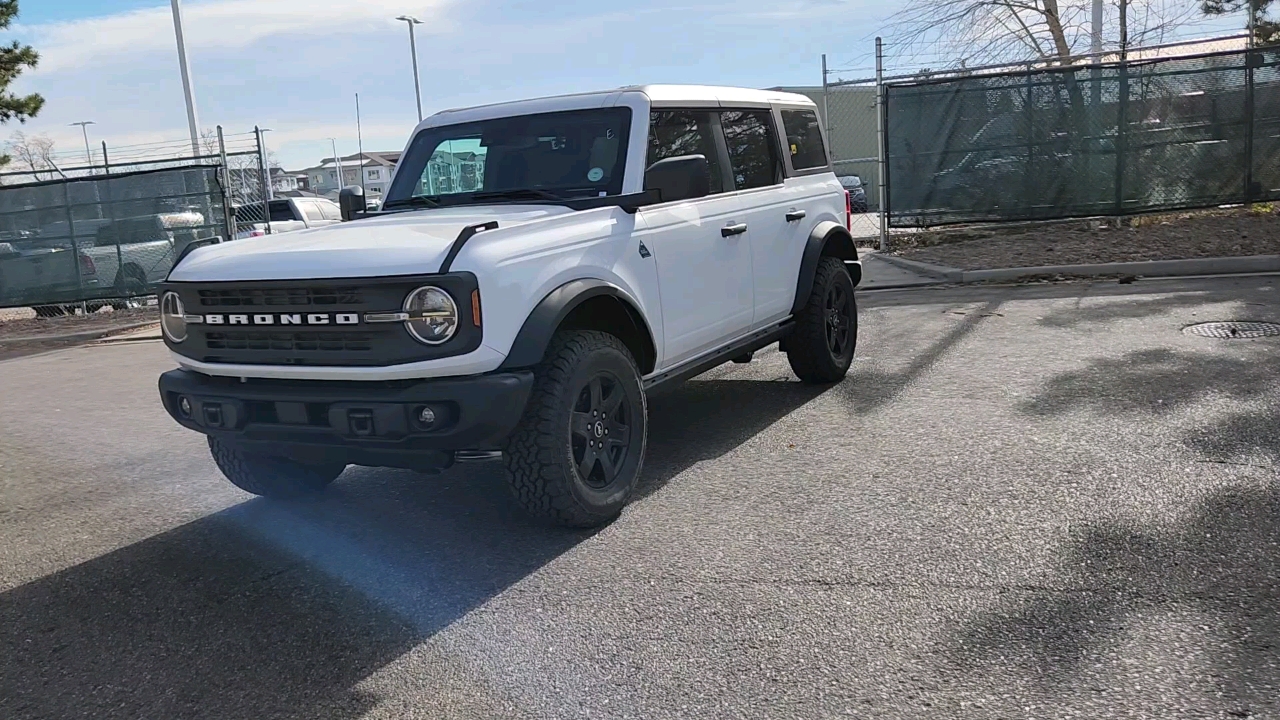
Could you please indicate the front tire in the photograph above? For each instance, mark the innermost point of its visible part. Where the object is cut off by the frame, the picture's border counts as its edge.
(272, 477)
(820, 349)
(576, 455)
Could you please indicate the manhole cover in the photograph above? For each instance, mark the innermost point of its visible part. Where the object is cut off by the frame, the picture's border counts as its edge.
(1233, 330)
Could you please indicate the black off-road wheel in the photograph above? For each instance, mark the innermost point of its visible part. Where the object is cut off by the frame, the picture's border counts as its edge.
(820, 349)
(576, 455)
(271, 477)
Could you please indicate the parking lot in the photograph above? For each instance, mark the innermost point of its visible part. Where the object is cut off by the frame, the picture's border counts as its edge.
(1036, 501)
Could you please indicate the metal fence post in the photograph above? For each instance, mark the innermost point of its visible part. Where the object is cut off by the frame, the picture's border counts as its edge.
(1249, 191)
(262, 180)
(111, 213)
(75, 246)
(1122, 123)
(881, 148)
(224, 178)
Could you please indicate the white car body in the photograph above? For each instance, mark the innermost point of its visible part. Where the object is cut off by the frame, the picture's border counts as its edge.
(699, 292)
(303, 213)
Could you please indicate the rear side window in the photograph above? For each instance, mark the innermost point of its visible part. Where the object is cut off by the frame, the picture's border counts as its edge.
(804, 139)
(749, 135)
(280, 211)
(673, 133)
(311, 211)
(329, 211)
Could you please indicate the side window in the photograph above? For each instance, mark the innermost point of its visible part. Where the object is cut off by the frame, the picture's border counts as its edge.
(329, 210)
(673, 133)
(804, 139)
(751, 148)
(280, 211)
(311, 211)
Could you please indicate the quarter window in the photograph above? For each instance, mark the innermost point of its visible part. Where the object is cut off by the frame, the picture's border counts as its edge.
(311, 211)
(751, 148)
(673, 133)
(804, 139)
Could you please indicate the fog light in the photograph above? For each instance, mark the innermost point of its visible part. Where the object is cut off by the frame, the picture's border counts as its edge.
(184, 406)
(427, 416)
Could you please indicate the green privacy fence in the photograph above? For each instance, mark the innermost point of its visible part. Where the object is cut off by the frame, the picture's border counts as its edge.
(103, 236)
(1108, 139)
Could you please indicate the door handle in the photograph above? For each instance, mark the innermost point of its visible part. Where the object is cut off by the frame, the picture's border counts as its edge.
(733, 229)
(794, 215)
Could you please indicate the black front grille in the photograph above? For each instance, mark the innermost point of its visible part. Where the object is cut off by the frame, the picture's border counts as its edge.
(299, 341)
(283, 297)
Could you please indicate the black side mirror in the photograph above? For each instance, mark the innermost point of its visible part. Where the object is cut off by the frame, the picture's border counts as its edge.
(679, 178)
(351, 202)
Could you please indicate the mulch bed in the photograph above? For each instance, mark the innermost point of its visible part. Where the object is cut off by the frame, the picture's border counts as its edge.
(1221, 233)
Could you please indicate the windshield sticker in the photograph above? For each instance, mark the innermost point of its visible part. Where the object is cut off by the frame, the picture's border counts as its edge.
(595, 174)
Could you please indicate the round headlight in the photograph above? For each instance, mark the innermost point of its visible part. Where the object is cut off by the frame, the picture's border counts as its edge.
(172, 320)
(433, 315)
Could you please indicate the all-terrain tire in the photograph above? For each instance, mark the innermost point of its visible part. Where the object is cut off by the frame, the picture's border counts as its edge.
(546, 454)
(272, 477)
(821, 347)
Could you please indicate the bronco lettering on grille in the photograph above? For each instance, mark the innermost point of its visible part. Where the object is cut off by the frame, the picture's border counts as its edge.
(284, 319)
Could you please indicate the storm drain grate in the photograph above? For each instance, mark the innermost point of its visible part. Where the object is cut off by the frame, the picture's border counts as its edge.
(1233, 330)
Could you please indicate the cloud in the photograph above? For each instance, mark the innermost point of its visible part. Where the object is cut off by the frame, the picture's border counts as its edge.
(217, 24)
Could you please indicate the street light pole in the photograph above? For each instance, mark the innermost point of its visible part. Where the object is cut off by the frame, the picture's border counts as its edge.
(88, 154)
(266, 166)
(337, 162)
(186, 79)
(413, 52)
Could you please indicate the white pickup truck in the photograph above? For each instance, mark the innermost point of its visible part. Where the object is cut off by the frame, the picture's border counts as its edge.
(285, 215)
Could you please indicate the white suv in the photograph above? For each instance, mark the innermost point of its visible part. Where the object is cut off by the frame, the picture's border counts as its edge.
(537, 268)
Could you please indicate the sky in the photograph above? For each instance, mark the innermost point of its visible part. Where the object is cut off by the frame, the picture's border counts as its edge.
(295, 65)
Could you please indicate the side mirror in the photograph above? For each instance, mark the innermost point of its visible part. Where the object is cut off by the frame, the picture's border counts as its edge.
(351, 201)
(679, 178)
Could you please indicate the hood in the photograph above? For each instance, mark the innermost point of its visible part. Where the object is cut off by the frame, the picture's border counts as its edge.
(405, 243)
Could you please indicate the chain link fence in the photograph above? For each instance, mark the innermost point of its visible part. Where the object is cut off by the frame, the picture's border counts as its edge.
(1113, 138)
(103, 234)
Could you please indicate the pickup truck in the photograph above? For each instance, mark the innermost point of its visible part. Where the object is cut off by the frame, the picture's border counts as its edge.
(286, 215)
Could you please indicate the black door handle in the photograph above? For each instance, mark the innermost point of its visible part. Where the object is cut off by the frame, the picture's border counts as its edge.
(795, 215)
(733, 229)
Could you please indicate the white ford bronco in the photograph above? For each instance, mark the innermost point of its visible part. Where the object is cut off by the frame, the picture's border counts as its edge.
(536, 270)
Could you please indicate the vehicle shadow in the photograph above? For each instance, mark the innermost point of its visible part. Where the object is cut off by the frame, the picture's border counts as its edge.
(280, 610)
(1217, 563)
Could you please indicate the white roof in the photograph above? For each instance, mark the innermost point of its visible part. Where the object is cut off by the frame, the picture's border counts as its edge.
(660, 95)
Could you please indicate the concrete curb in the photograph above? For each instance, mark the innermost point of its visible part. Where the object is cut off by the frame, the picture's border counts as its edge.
(1148, 268)
(82, 335)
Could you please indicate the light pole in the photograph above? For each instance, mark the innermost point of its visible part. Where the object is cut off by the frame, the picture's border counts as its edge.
(266, 166)
(186, 79)
(413, 52)
(337, 162)
(88, 154)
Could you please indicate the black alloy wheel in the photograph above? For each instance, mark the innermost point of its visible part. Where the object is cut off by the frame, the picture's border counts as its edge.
(837, 306)
(600, 430)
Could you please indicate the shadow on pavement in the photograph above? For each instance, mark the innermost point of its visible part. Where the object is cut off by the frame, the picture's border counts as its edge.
(1208, 584)
(279, 610)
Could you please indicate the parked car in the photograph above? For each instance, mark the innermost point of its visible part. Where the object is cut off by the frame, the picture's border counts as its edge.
(132, 254)
(522, 318)
(286, 215)
(857, 193)
(32, 274)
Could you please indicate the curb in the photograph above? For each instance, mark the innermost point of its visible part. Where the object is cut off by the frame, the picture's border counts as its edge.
(82, 335)
(1147, 268)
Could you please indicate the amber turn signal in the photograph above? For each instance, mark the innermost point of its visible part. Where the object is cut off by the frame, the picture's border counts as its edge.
(475, 307)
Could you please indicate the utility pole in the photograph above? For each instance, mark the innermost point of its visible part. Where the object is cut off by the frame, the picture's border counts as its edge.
(88, 154)
(413, 52)
(192, 123)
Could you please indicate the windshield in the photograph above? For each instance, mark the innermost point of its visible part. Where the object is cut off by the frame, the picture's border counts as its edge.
(572, 154)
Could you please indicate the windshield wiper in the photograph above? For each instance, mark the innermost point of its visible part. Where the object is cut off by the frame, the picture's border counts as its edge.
(413, 201)
(516, 194)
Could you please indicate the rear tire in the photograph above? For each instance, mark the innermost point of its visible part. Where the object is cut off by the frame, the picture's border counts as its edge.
(820, 349)
(576, 455)
(272, 477)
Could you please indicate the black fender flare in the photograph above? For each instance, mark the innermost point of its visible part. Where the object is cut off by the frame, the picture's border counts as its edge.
(826, 238)
(535, 335)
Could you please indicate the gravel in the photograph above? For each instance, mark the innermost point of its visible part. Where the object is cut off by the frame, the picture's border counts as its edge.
(1166, 237)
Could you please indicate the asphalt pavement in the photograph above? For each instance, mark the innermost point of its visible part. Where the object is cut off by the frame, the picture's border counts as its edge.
(1038, 501)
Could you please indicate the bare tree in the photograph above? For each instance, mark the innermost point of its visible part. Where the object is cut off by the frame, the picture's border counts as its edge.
(976, 32)
(34, 151)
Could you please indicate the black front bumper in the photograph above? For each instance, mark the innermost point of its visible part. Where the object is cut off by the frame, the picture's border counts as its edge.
(356, 422)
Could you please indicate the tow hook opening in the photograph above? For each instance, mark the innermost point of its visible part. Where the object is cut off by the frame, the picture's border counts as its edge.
(360, 422)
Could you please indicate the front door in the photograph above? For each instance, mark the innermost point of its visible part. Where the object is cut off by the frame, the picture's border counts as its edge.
(702, 255)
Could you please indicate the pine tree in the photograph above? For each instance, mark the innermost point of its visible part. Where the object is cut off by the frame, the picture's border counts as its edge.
(14, 58)
(1265, 30)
